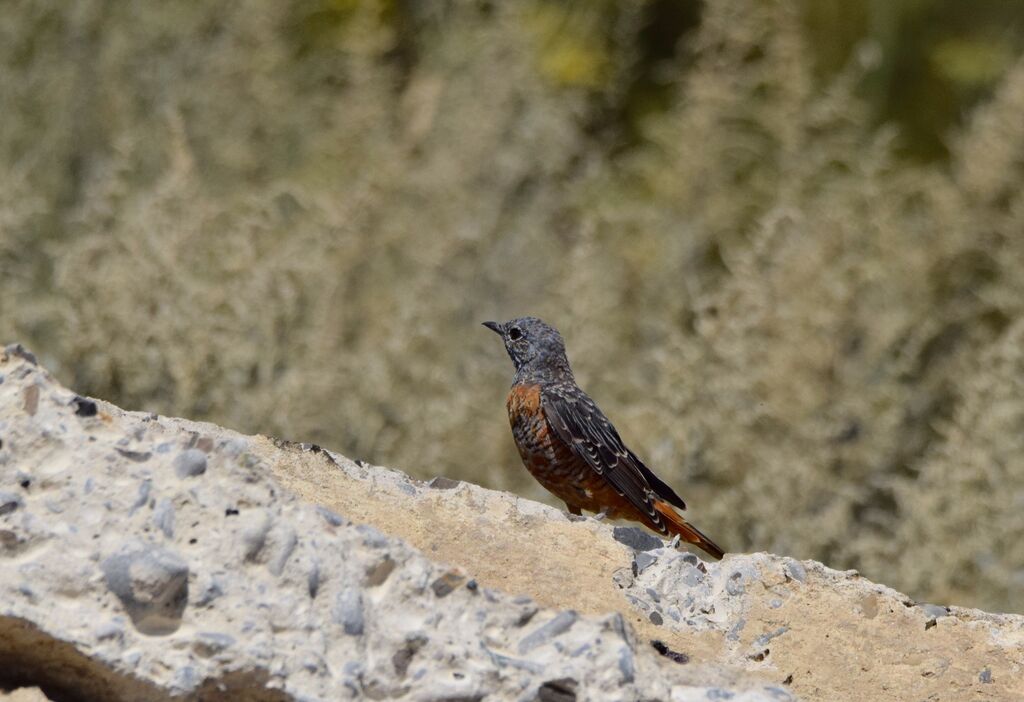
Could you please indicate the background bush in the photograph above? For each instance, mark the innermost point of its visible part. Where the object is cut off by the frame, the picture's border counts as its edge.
(788, 260)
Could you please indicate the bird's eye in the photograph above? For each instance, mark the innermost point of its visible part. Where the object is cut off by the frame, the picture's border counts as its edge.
(515, 334)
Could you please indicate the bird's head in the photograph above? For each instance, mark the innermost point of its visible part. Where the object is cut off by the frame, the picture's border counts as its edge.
(533, 346)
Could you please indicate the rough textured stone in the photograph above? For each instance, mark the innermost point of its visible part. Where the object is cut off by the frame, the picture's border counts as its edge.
(847, 637)
(190, 463)
(120, 580)
(128, 574)
(152, 584)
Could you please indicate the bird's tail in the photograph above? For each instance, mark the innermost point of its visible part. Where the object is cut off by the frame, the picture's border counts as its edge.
(689, 533)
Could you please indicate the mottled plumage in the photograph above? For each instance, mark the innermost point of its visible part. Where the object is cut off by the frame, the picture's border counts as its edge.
(571, 448)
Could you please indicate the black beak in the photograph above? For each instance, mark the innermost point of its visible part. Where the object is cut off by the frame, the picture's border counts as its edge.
(496, 327)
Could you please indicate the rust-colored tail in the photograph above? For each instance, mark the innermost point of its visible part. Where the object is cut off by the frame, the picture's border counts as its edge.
(689, 533)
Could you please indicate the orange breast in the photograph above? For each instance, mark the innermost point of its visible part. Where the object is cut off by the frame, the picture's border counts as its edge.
(547, 457)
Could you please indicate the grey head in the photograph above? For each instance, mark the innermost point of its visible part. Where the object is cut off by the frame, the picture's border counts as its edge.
(536, 348)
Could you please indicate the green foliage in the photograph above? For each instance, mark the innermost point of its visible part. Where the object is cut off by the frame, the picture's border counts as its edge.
(291, 217)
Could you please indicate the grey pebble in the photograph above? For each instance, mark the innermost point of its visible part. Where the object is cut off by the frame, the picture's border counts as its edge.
(163, 517)
(691, 576)
(348, 611)
(734, 632)
(796, 570)
(331, 517)
(208, 643)
(372, 536)
(985, 676)
(642, 561)
(21, 352)
(186, 678)
(190, 463)
(561, 623)
(503, 661)
(736, 584)
(636, 538)
(768, 636)
(135, 456)
(9, 502)
(109, 630)
(443, 483)
(313, 579)
(626, 665)
(254, 534)
(212, 591)
(283, 546)
(934, 611)
(152, 584)
(142, 496)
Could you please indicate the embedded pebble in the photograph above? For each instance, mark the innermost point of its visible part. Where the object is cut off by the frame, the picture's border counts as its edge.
(208, 643)
(636, 538)
(142, 496)
(190, 463)
(561, 623)
(281, 544)
(934, 611)
(163, 517)
(348, 611)
(643, 560)
(152, 584)
(9, 502)
(332, 518)
(796, 570)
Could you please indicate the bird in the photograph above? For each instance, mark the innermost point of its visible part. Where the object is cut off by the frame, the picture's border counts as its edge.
(572, 449)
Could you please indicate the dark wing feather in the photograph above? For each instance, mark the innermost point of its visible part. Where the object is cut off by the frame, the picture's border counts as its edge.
(579, 423)
(662, 489)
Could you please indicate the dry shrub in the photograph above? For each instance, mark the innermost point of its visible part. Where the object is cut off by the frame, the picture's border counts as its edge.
(291, 218)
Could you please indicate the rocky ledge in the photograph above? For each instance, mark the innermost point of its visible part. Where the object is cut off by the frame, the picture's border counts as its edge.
(152, 558)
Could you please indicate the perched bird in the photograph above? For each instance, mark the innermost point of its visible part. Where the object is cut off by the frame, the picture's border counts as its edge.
(571, 448)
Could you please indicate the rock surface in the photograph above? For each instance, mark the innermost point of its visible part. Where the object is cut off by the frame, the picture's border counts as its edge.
(148, 558)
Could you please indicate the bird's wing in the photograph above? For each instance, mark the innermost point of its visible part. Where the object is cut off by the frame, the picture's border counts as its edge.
(578, 421)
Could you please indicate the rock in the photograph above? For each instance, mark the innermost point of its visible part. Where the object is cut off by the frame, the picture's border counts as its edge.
(641, 561)
(443, 483)
(9, 502)
(152, 584)
(84, 407)
(332, 518)
(163, 517)
(348, 611)
(561, 690)
(560, 624)
(636, 538)
(131, 579)
(190, 463)
(18, 351)
(934, 611)
(444, 585)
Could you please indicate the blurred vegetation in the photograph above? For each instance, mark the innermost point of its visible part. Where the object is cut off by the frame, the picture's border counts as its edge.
(785, 244)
